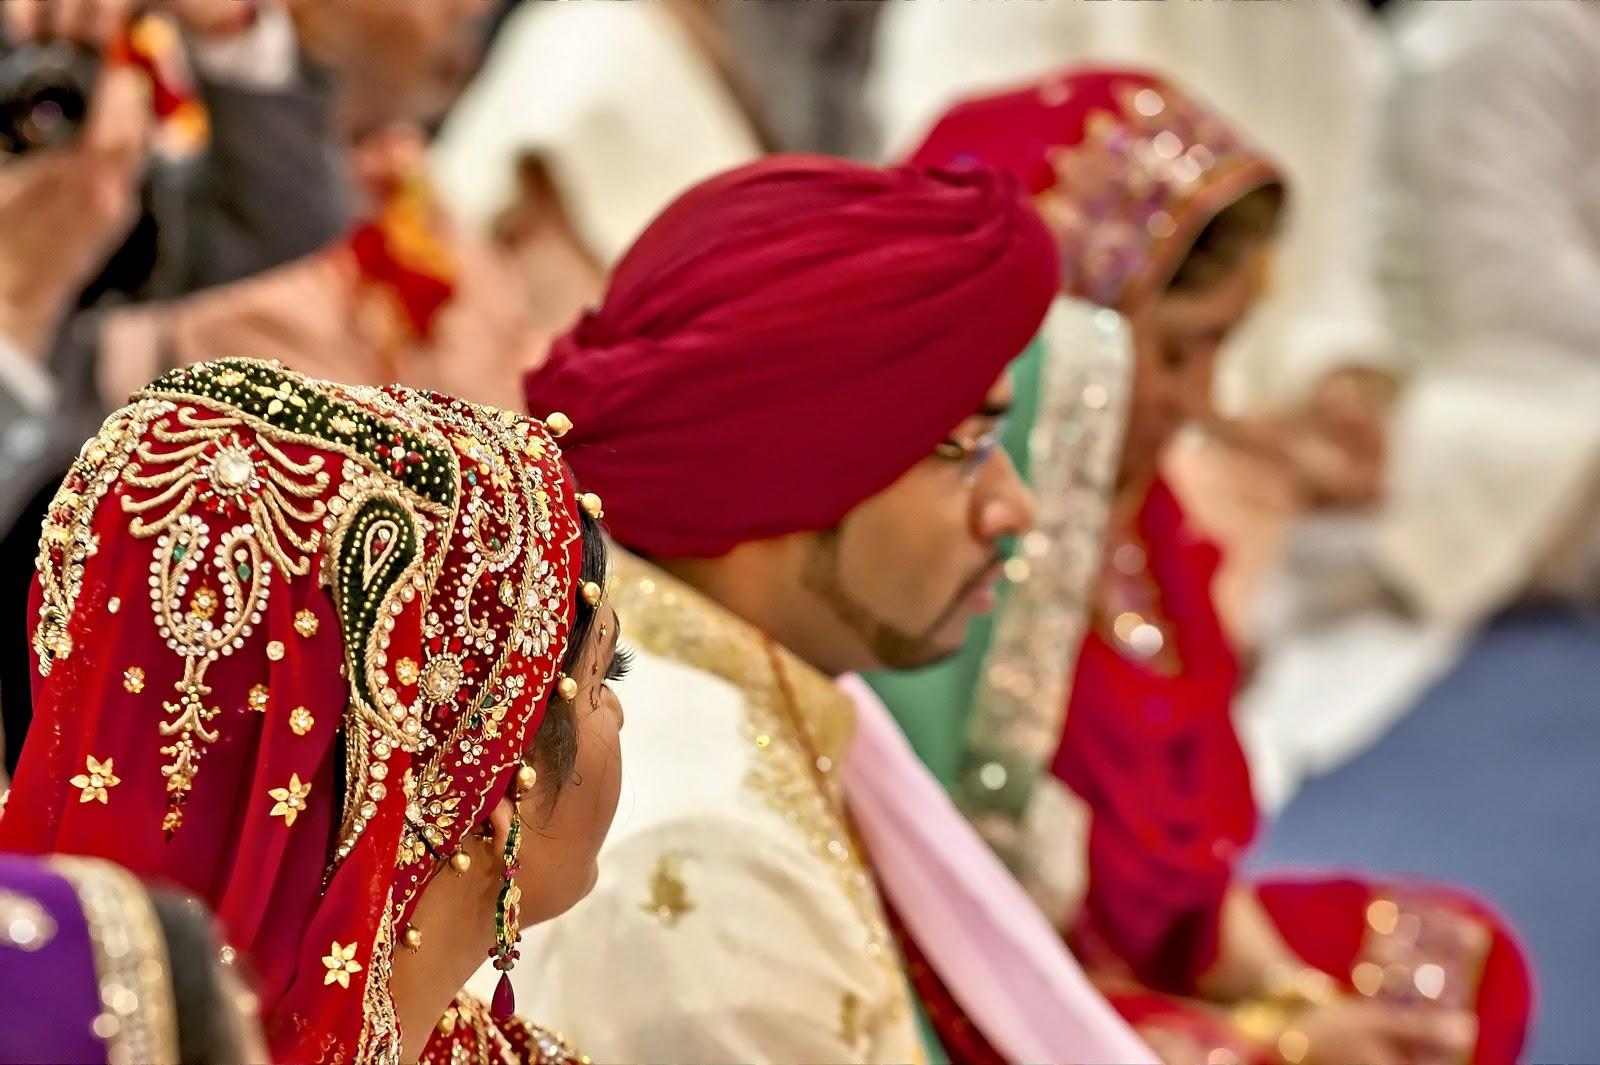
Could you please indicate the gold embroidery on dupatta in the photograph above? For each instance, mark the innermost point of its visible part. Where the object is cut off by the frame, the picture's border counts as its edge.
(138, 1023)
(1020, 703)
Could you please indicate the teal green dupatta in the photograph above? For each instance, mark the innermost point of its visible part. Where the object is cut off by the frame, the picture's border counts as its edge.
(987, 722)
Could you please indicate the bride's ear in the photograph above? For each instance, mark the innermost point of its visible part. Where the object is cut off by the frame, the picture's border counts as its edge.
(500, 822)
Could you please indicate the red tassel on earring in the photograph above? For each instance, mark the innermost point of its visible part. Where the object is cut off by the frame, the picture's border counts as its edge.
(504, 1003)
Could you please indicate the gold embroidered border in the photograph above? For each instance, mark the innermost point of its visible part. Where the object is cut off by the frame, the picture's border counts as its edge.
(138, 1019)
(1074, 453)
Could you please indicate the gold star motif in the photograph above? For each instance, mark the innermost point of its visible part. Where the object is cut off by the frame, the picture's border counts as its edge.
(275, 650)
(95, 779)
(291, 800)
(300, 720)
(305, 623)
(668, 899)
(133, 680)
(405, 671)
(341, 963)
(203, 604)
(258, 698)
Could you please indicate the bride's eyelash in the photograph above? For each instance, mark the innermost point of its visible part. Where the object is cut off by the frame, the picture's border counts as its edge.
(621, 663)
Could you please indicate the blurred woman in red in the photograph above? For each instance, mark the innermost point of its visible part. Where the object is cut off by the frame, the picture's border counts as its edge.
(1118, 790)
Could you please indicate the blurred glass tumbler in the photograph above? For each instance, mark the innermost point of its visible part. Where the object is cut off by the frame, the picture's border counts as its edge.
(44, 94)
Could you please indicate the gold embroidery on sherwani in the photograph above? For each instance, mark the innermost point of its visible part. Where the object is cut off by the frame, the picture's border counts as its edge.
(666, 617)
(668, 897)
(850, 1019)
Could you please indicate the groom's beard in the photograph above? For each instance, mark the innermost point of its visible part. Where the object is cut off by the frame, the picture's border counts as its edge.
(893, 647)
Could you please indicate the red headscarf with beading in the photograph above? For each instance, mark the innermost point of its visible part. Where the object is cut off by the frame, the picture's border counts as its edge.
(293, 641)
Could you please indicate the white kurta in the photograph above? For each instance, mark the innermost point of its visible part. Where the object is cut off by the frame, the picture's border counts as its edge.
(616, 101)
(1304, 82)
(733, 920)
(1494, 260)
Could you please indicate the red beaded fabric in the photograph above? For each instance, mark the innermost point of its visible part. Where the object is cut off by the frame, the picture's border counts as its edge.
(293, 640)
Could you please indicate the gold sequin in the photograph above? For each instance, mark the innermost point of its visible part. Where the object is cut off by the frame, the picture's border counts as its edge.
(341, 965)
(133, 680)
(258, 698)
(203, 604)
(290, 800)
(24, 924)
(405, 671)
(850, 1018)
(1383, 915)
(113, 605)
(275, 650)
(96, 779)
(1293, 1046)
(300, 720)
(669, 895)
(305, 623)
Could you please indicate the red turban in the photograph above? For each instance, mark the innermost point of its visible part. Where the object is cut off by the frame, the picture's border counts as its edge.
(787, 339)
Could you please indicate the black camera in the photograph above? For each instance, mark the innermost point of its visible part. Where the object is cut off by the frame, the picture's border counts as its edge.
(45, 90)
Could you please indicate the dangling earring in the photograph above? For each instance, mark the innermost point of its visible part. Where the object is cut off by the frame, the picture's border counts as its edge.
(507, 915)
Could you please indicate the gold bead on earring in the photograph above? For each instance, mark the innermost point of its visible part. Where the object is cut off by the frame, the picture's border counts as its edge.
(567, 688)
(413, 939)
(591, 503)
(558, 424)
(591, 593)
(527, 777)
(460, 861)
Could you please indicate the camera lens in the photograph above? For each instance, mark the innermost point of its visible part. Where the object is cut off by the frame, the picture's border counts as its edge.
(44, 95)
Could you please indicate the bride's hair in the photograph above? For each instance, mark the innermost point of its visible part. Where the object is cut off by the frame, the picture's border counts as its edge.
(555, 745)
(1232, 233)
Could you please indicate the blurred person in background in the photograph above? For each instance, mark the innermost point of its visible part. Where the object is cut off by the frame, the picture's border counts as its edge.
(284, 87)
(1494, 270)
(1091, 735)
(97, 969)
(584, 122)
(1304, 384)
(808, 64)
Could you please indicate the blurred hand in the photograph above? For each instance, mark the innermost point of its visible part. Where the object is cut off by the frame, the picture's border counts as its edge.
(1352, 1031)
(1334, 446)
(1175, 1047)
(210, 17)
(62, 211)
(1350, 406)
(92, 22)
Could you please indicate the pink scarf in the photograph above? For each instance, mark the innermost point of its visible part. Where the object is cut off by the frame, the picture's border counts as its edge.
(1002, 961)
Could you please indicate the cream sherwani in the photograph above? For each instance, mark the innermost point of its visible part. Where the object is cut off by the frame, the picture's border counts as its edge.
(734, 919)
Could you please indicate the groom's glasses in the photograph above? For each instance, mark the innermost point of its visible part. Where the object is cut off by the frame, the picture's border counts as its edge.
(972, 454)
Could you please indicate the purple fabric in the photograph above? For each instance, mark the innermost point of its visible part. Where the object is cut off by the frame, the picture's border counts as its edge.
(49, 997)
